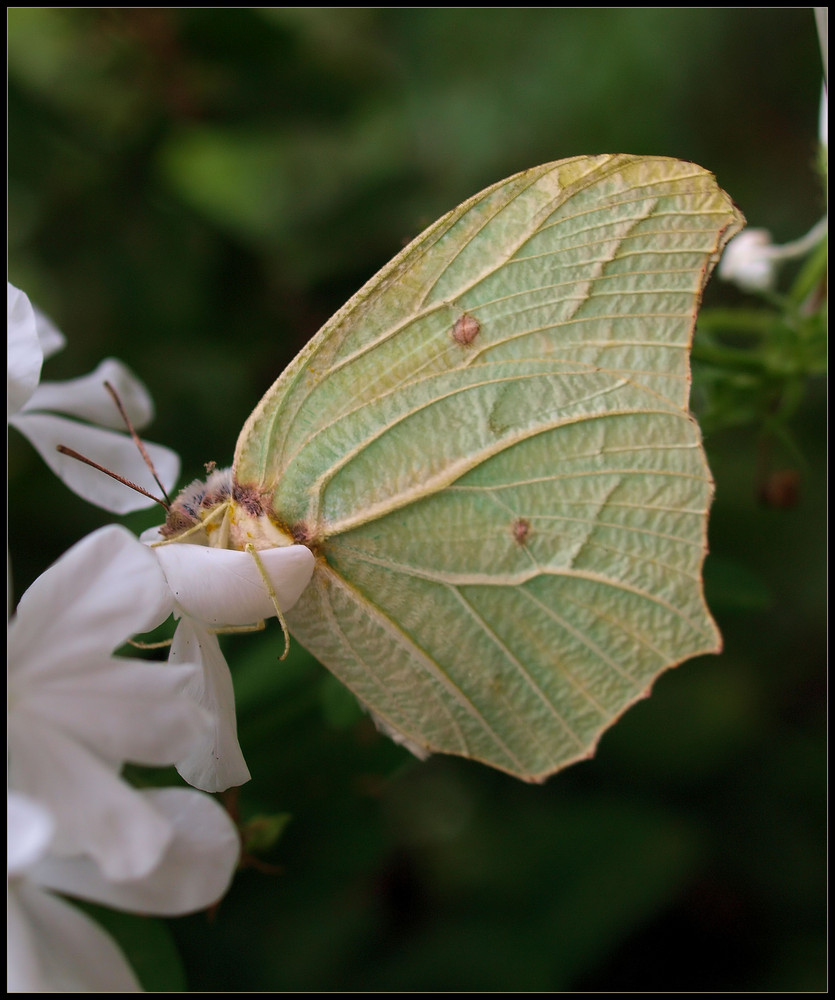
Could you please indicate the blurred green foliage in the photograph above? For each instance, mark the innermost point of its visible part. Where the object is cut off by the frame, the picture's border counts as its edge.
(195, 190)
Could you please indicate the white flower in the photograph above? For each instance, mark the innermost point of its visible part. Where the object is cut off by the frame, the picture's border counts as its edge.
(33, 409)
(751, 260)
(52, 946)
(76, 713)
(216, 588)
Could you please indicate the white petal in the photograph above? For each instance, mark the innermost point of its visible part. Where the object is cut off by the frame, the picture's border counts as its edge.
(54, 948)
(224, 587)
(30, 830)
(114, 451)
(823, 119)
(124, 710)
(25, 355)
(95, 812)
(152, 536)
(216, 762)
(87, 399)
(194, 872)
(105, 589)
(23, 973)
(748, 261)
(51, 338)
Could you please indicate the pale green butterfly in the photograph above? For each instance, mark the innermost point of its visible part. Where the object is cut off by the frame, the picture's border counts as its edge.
(489, 452)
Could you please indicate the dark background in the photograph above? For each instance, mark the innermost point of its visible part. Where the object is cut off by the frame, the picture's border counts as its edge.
(195, 190)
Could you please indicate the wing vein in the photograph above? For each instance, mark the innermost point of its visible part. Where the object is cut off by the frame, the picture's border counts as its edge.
(529, 680)
(420, 659)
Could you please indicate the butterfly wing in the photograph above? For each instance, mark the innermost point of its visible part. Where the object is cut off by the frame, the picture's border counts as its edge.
(489, 450)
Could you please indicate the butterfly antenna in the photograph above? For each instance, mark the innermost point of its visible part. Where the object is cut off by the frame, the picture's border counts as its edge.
(113, 475)
(138, 442)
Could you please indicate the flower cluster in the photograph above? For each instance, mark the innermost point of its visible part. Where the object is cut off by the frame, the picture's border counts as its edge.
(77, 713)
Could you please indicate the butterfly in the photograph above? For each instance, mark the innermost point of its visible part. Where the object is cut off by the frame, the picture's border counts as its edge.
(489, 453)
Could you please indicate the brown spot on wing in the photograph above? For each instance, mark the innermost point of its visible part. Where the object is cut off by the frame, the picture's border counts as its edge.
(465, 330)
(520, 529)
